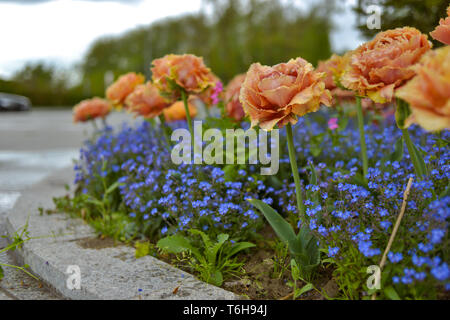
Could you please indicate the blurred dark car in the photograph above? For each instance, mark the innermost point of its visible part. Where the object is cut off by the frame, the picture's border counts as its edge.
(12, 102)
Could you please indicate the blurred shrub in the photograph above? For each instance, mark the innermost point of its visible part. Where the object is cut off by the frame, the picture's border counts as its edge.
(229, 34)
(421, 14)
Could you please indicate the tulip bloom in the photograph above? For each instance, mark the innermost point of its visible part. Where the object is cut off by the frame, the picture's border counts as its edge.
(186, 71)
(211, 96)
(442, 31)
(277, 95)
(90, 109)
(334, 68)
(180, 75)
(233, 106)
(146, 101)
(428, 93)
(177, 111)
(380, 66)
(119, 90)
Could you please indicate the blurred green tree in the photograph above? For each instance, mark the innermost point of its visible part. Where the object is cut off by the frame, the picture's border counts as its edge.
(421, 14)
(229, 34)
(43, 84)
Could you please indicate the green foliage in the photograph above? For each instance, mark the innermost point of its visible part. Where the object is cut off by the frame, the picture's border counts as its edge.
(17, 240)
(350, 274)
(44, 85)
(235, 34)
(213, 261)
(391, 293)
(302, 246)
(402, 112)
(144, 249)
(100, 209)
(296, 276)
(280, 259)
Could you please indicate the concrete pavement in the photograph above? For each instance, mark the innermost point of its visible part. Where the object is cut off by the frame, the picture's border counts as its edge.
(62, 250)
(32, 146)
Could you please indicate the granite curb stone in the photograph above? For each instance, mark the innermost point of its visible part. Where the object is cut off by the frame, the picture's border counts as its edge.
(107, 273)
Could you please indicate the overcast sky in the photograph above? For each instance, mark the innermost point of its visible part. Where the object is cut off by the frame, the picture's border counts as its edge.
(61, 31)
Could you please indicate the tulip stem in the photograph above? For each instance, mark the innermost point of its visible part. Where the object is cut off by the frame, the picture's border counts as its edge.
(412, 154)
(105, 124)
(208, 114)
(188, 115)
(164, 127)
(362, 138)
(293, 160)
(94, 123)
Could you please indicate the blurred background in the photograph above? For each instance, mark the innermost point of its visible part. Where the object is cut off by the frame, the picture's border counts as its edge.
(58, 52)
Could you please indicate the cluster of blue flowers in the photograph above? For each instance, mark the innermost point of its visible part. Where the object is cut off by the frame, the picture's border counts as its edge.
(345, 213)
(162, 198)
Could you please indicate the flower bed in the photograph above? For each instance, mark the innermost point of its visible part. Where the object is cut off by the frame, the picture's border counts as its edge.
(156, 199)
(356, 207)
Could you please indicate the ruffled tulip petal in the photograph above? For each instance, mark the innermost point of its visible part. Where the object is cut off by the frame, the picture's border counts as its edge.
(146, 101)
(186, 71)
(177, 111)
(428, 93)
(119, 90)
(379, 66)
(233, 106)
(276, 95)
(442, 32)
(90, 109)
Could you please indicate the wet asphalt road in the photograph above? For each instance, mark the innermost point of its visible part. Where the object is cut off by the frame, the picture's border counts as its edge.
(32, 145)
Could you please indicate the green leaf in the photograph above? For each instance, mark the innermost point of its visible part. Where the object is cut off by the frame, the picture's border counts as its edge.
(304, 289)
(315, 144)
(230, 172)
(177, 244)
(303, 246)
(207, 242)
(211, 252)
(313, 179)
(221, 238)
(215, 278)
(422, 165)
(281, 227)
(359, 180)
(397, 155)
(95, 202)
(445, 193)
(295, 270)
(402, 112)
(1, 273)
(307, 252)
(112, 187)
(343, 122)
(142, 249)
(391, 293)
(238, 247)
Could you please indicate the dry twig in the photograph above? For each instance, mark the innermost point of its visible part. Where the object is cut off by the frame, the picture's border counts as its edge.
(394, 231)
